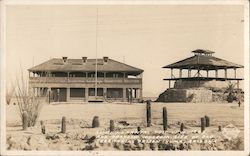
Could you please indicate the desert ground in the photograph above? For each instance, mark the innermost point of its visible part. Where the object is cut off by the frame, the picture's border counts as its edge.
(127, 118)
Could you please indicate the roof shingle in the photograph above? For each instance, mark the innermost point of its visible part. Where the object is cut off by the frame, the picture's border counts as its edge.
(57, 64)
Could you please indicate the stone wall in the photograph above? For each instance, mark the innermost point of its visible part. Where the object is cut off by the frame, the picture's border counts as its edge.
(186, 95)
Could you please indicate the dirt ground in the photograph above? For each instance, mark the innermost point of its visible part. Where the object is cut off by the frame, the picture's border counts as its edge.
(127, 117)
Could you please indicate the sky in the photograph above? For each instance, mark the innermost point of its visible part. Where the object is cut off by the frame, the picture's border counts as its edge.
(147, 37)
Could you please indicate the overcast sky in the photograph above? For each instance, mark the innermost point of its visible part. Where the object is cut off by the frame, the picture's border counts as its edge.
(147, 37)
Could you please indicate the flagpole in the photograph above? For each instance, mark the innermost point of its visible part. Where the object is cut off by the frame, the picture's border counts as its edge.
(96, 53)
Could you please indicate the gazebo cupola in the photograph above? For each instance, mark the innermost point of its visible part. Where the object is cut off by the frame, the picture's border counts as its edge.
(203, 60)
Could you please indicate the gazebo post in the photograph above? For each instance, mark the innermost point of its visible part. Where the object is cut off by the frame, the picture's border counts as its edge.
(235, 73)
(225, 72)
(216, 73)
(171, 72)
(180, 74)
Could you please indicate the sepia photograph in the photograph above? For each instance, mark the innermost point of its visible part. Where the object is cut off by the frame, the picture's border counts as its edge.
(124, 78)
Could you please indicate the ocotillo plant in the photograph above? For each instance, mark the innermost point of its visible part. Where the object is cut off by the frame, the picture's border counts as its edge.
(63, 128)
(182, 127)
(202, 124)
(165, 119)
(95, 122)
(207, 121)
(219, 128)
(112, 126)
(25, 121)
(148, 113)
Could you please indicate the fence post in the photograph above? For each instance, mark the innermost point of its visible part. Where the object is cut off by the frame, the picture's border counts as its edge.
(165, 119)
(202, 124)
(63, 128)
(148, 113)
(219, 128)
(112, 126)
(182, 127)
(207, 121)
(95, 122)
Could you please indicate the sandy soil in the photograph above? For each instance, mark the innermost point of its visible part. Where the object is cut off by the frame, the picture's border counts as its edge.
(79, 119)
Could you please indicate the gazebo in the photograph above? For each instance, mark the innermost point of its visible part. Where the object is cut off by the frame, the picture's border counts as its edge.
(203, 61)
(202, 80)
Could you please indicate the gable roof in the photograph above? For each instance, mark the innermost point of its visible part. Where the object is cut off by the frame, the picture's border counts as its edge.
(203, 62)
(74, 65)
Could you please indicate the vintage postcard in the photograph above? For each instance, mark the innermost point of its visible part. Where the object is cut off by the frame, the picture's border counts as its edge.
(124, 77)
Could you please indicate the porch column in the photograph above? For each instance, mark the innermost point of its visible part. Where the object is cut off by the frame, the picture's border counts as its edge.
(67, 76)
(104, 78)
(235, 73)
(49, 94)
(124, 95)
(104, 93)
(141, 97)
(68, 95)
(58, 95)
(124, 76)
(86, 94)
(38, 92)
(33, 91)
(207, 74)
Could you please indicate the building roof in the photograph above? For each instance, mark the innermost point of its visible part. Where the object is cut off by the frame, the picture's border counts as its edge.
(76, 65)
(203, 62)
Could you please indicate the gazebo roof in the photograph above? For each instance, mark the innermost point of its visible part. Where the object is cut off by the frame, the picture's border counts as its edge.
(203, 61)
(202, 51)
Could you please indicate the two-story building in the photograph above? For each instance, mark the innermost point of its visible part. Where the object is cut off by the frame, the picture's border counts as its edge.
(64, 80)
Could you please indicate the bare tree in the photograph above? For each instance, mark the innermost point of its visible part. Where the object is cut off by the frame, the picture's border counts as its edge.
(27, 101)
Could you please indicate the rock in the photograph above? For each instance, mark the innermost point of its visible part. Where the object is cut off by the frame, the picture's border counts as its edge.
(60, 137)
(86, 137)
(124, 123)
(117, 146)
(91, 140)
(37, 142)
(152, 146)
(127, 146)
(17, 143)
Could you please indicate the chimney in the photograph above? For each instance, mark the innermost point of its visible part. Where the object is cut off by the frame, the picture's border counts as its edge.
(84, 59)
(64, 59)
(105, 59)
